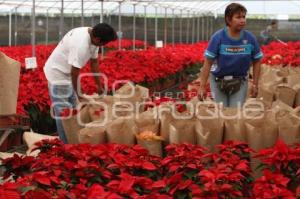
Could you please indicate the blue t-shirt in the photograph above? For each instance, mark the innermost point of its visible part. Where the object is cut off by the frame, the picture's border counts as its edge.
(232, 56)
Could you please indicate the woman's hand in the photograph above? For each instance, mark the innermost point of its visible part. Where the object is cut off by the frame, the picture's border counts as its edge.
(202, 93)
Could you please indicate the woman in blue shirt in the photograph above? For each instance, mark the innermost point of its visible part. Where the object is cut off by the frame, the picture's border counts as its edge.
(228, 57)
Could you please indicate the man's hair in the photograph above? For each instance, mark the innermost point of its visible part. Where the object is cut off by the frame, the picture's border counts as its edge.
(105, 32)
(232, 9)
(273, 22)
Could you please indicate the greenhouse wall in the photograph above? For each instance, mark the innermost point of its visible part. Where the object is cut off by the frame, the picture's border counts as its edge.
(288, 30)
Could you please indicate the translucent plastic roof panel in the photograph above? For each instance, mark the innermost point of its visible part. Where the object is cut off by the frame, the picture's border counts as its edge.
(112, 6)
(70, 6)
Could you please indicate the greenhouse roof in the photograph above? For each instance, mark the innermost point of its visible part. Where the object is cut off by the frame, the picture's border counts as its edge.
(211, 7)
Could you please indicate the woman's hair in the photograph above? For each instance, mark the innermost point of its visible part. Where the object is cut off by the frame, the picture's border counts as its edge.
(232, 9)
(105, 32)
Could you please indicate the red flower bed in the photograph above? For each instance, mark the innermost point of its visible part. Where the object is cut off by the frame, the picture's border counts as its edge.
(147, 65)
(284, 162)
(86, 171)
(137, 66)
(272, 185)
(118, 171)
(277, 53)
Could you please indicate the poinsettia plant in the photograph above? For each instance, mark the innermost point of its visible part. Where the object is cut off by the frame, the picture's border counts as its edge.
(277, 53)
(282, 159)
(272, 185)
(119, 171)
(138, 66)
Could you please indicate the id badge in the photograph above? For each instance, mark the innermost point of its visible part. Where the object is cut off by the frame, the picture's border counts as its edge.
(229, 77)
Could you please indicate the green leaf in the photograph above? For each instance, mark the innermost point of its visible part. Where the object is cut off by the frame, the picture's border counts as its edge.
(25, 189)
(191, 173)
(181, 194)
(260, 167)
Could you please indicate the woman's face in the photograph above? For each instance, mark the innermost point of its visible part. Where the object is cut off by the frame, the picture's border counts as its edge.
(238, 21)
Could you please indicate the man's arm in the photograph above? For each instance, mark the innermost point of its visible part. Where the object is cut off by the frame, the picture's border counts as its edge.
(74, 77)
(95, 71)
(256, 73)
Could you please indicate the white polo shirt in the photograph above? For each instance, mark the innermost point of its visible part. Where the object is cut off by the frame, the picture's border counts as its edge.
(75, 49)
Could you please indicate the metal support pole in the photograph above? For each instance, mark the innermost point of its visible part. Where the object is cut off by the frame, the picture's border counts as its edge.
(145, 27)
(207, 28)
(165, 28)
(47, 27)
(9, 29)
(155, 34)
(72, 23)
(101, 21)
(212, 26)
(120, 26)
(202, 30)
(188, 27)
(180, 27)
(82, 13)
(133, 28)
(61, 22)
(193, 28)
(33, 28)
(198, 29)
(92, 20)
(101, 13)
(173, 28)
(16, 26)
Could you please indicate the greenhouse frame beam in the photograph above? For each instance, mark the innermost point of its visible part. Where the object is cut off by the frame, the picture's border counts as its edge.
(180, 27)
(61, 21)
(202, 28)
(114, 9)
(173, 27)
(133, 27)
(193, 27)
(145, 26)
(155, 26)
(47, 25)
(16, 26)
(203, 5)
(165, 26)
(82, 13)
(101, 21)
(197, 26)
(9, 29)
(120, 35)
(24, 5)
(40, 4)
(33, 28)
(188, 27)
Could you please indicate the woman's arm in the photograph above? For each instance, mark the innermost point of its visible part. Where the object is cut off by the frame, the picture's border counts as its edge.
(256, 73)
(204, 77)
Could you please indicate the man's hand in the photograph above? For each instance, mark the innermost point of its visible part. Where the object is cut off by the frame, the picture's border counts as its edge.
(254, 91)
(202, 94)
(82, 99)
(100, 90)
(95, 71)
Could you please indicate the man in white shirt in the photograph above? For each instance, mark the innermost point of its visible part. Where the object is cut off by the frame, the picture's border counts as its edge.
(62, 68)
(269, 33)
